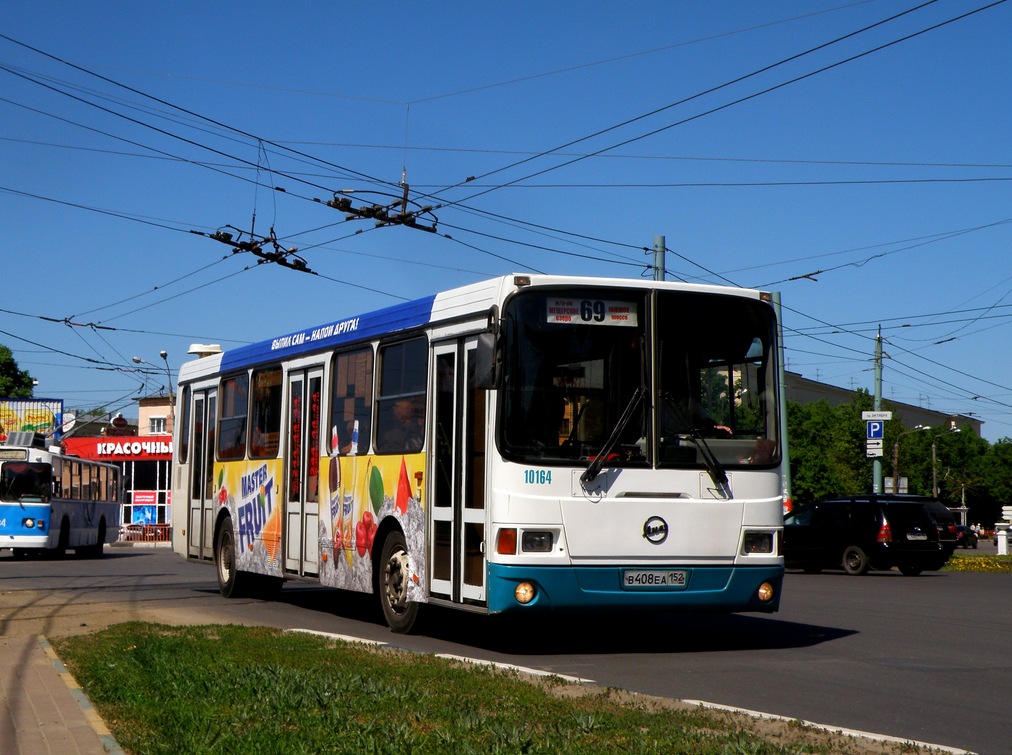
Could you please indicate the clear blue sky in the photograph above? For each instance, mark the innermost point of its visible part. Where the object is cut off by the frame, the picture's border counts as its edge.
(866, 177)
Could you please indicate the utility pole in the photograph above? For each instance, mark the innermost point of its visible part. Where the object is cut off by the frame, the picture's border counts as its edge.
(877, 464)
(659, 246)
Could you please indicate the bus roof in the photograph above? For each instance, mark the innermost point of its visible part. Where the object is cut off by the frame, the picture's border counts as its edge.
(474, 300)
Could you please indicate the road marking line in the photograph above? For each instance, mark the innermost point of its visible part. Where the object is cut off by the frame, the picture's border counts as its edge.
(449, 657)
(856, 733)
(342, 637)
(511, 667)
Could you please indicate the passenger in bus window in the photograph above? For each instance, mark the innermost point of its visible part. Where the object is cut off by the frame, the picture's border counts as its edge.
(408, 428)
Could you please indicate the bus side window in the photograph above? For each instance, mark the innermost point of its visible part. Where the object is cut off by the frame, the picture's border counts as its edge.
(401, 399)
(75, 480)
(234, 412)
(266, 423)
(351, 401)
(103, 485)
(57, 478)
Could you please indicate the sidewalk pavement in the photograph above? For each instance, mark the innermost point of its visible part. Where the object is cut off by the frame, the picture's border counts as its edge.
(42, 709)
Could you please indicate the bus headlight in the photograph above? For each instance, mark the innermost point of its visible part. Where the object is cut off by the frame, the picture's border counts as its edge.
(536, 542)
(524, 593)
(765, 592)
(757, 542)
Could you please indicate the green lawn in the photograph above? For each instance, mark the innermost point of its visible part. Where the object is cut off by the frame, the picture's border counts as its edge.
(223, 689)
(978, 562)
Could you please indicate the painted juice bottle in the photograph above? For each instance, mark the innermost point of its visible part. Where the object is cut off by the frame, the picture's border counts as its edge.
(335, 497)
(348, 496)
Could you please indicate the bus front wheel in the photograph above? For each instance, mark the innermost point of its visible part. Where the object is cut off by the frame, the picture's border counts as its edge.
(394, 578)
(63, 539)
(231, 582)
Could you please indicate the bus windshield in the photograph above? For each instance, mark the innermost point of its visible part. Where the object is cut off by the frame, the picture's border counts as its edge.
(24, 481)
(638, 378)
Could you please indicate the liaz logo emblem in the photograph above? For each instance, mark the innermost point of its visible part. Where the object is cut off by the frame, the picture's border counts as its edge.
(655, 530)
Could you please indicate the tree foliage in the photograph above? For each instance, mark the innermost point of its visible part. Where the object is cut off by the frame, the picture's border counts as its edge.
(14, 382)
(827, 450)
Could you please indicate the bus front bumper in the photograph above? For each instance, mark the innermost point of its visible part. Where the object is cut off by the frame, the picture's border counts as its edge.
(698, 588)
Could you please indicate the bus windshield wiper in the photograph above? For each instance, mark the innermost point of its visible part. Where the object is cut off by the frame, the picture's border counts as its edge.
(713, 466)
(594, 469)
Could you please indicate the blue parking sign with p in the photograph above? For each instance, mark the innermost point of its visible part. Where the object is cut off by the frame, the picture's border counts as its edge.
(875, 429)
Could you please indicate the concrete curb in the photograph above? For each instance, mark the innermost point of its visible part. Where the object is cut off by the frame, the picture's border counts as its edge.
(90, 714)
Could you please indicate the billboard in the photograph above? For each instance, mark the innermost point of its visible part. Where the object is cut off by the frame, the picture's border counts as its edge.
(31, 415)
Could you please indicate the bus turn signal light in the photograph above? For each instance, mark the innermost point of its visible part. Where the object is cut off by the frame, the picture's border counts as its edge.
(766, 592)
(506, 543)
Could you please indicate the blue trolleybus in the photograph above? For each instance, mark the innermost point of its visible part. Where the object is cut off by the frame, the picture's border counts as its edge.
(50, 502)
(523, 444)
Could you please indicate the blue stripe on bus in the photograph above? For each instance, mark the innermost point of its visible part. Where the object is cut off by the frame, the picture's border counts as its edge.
(12, 516)
(390, 320)
(709, 588)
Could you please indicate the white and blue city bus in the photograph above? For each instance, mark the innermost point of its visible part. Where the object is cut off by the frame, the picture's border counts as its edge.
(524, 444)
(51, 502)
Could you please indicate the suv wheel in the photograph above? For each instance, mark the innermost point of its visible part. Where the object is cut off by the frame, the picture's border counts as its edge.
(855, 560)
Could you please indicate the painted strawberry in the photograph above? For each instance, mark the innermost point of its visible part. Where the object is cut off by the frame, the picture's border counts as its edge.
(361, 535)
(365, 533)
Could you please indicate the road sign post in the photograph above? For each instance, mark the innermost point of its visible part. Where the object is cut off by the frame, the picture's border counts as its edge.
(875, 431)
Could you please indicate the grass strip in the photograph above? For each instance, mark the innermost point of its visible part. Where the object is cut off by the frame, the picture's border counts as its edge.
(982, 563)
(231, 689)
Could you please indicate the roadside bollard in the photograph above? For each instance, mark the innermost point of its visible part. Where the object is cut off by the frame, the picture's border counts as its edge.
(1002, 540)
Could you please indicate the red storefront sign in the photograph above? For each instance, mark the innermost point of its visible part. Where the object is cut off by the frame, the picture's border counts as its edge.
(133, 448)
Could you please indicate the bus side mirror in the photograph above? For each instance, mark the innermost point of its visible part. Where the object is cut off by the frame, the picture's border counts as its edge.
(486, 362)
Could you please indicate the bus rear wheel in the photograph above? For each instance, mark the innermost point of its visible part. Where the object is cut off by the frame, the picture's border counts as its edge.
(231, 582)
(98, 549)
(394, 579)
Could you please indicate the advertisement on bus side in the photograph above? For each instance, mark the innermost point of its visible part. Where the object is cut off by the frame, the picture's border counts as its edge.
(357, 494)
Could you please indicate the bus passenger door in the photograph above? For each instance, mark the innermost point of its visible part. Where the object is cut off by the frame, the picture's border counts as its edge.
(302, 469)
(457, 523)
(201, 485)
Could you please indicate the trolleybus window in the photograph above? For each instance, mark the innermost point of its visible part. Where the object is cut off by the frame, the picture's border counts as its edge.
(22, 481)
(234, 408)
(715, 379)
(351, 403)
(266, 424)
(400, 425)
(184, 432)
(575, 359)
(573, 362)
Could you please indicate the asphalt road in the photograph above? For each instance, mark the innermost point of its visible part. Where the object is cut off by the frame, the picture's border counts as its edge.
(927, 658)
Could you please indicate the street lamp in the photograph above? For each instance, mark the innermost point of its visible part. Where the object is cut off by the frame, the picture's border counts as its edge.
(896, 455)
(168, 374)
(934, 459)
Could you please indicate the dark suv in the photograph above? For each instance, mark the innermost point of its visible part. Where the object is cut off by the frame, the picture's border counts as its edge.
(859, 533)
(945, 520)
